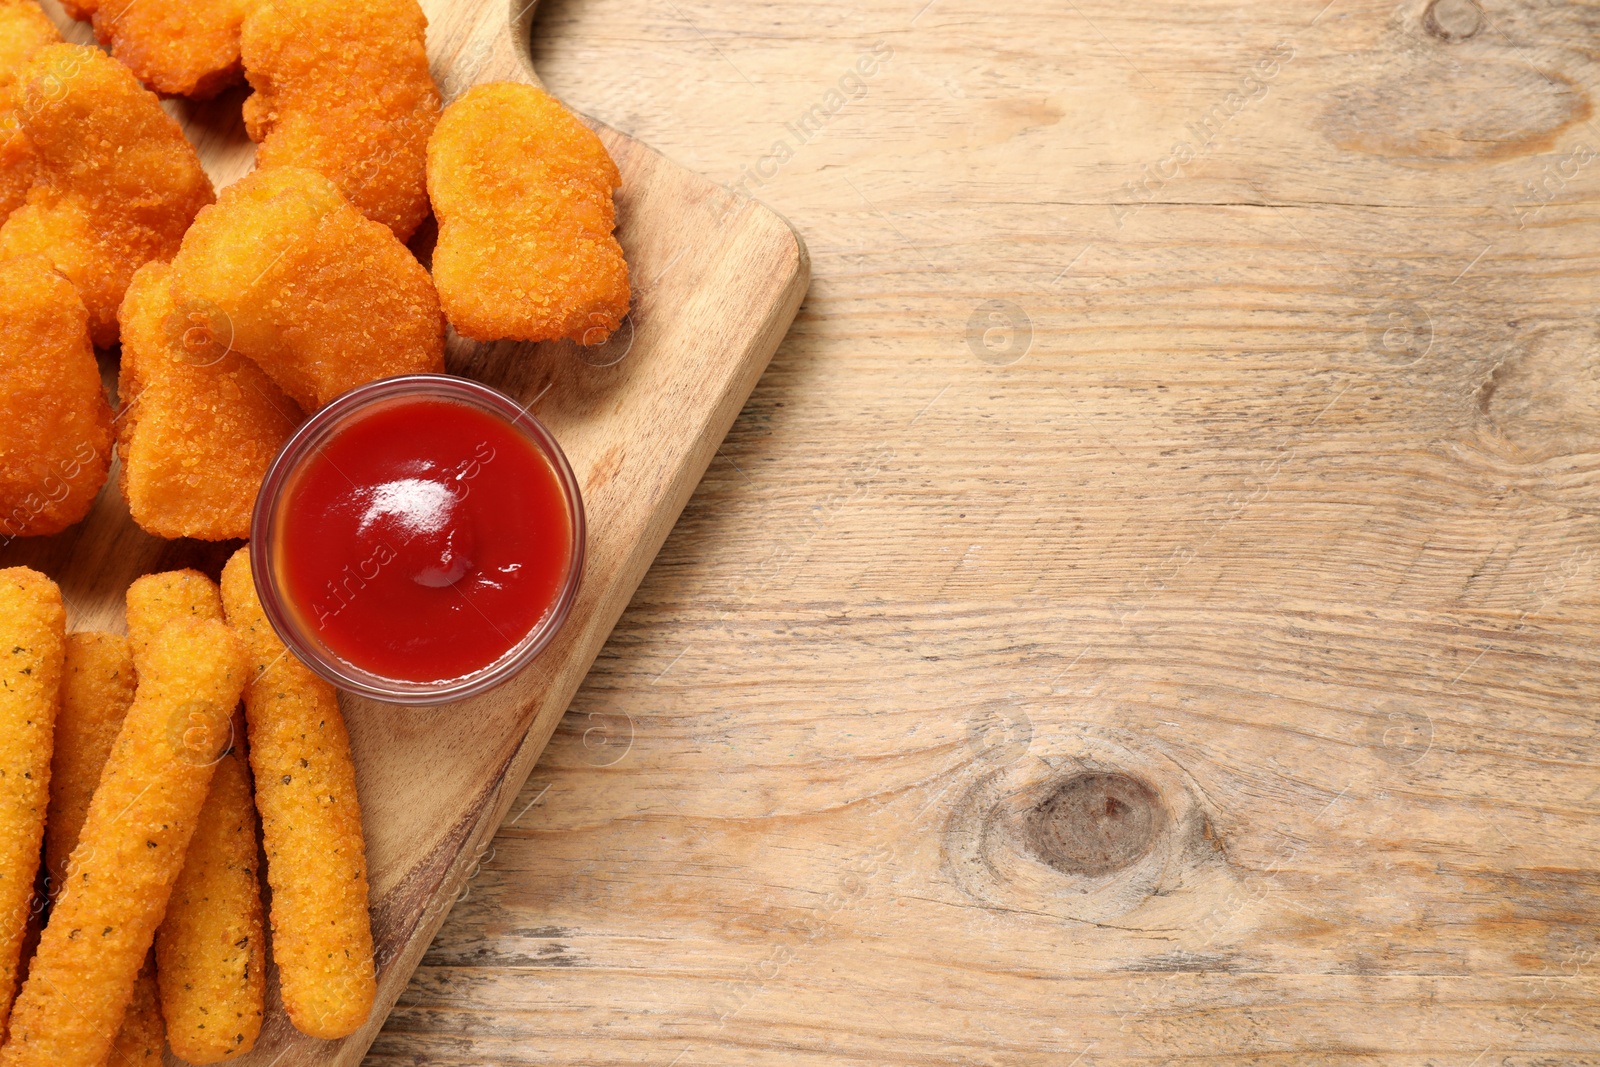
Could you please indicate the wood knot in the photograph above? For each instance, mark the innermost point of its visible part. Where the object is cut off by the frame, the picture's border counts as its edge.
(1541, 401)
(1096, 823)
(1453, 20)
(1093, 823)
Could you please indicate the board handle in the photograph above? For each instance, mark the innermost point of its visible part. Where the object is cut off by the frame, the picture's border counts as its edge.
(480, 41)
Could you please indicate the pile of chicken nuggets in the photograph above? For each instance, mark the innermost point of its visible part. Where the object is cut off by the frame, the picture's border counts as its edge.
(135, 797)
(236, 316)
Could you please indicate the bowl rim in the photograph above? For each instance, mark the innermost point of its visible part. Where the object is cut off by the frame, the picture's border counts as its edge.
(267, 519)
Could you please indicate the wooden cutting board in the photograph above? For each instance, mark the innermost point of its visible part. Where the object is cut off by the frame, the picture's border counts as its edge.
(717, 280)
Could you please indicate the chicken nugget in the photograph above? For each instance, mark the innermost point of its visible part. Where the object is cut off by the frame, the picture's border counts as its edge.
(177, 47)
(522, 191)
(32, 640)
(24, 30)
(320, 297)
(342, 87)
(96, 690)
(55, 421)
(16, 156)
(143, 814)
(209, 948)
(200, 424)
(117, 185)
(310, 823)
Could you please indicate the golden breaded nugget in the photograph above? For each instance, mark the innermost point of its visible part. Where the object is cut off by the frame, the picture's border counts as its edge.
(320, 297)
(117, 184)
(24, 30)
(119, 877)
(55, 421)
(210, 947)
(144, 1032)
(523, 191)
(16, 156)
(96, 690)
(310, 823)
(342, 87)
(176, 47)
(200, 424)
(32, 646)
(95, 694)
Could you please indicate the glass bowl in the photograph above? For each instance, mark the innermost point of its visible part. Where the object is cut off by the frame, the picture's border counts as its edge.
(267, 553)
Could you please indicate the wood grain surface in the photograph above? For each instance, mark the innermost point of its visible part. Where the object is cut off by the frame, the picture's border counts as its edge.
(1189, 659)
(717, 279)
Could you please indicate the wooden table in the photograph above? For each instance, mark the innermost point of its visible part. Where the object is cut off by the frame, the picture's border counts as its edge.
(1147, 612)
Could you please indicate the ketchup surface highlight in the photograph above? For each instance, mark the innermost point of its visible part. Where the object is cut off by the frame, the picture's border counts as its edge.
(425, 539)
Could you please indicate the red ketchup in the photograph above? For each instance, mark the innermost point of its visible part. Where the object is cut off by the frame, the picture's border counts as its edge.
(424, 539)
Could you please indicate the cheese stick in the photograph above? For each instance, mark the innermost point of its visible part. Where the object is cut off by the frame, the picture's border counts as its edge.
(310, 822)
(210, 947)
(96, 689)
(32, 639)
(143, 1034)
(141, 818)
(95, 694)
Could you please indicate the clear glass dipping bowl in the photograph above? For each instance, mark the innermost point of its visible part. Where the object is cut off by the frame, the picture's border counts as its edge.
(266, 550)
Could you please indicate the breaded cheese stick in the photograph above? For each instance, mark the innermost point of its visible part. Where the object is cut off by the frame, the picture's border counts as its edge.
(32, 639)
(30, 940)
(143, 1034)
(96, 690)
(140, 821)
(210, 946)
(156, 600)
(311, 825)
